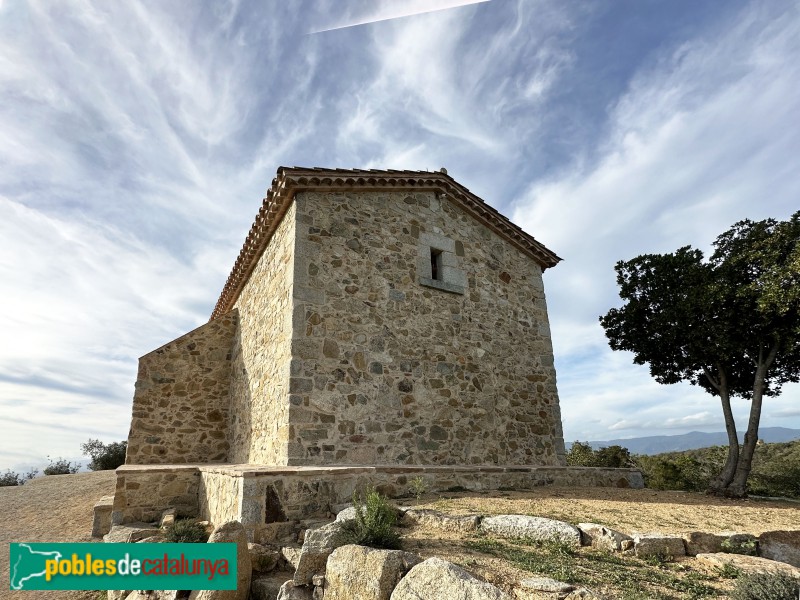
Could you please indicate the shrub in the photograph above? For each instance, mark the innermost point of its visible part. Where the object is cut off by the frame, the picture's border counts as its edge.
(764, 586)
(418, 487)
(581, 454)
(374, 522)
(10, 478)
(615, 457)
(105, 457)
(187, 531)
(680, 473)
(776, 470)
(61, 467)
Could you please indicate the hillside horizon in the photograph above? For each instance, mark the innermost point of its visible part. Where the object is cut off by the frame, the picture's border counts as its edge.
(657, 444)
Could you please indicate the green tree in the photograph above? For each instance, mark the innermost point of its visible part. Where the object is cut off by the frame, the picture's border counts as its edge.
(105, 456)
(730, 324)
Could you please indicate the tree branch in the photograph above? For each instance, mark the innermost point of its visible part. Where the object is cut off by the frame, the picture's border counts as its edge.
(711, 378)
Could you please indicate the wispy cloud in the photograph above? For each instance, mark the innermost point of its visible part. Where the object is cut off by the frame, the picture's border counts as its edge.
(703, 137)
(454, 90)
(139, 137)
(383, 11)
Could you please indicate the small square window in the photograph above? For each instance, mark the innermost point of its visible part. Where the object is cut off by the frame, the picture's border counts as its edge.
(436, 264)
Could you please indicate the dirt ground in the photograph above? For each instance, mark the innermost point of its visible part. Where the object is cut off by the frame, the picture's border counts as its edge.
(631, 511)
(59, 508)
(56, 508)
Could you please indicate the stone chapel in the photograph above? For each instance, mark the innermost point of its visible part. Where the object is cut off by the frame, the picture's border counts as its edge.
(376, 323)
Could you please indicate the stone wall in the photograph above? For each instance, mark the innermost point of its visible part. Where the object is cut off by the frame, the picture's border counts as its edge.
(181, 403)
(391, 365)
(143, 493)
(220, 497)
(265, 498)
(261, 352)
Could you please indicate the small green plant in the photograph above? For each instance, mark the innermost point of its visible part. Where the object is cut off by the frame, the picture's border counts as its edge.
(762, 586)
(545, 558)
(374, 522)
(748, 547)
(418, 486)
(187, 531)
(61, 466)
(658, 560)
(11, 478)
(728, 571)
(105, 457)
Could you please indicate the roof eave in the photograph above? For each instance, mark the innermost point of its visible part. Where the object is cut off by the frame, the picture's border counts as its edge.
(291, 180)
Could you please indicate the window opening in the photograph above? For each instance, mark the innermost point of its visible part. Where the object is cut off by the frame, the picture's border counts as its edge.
(436, 264)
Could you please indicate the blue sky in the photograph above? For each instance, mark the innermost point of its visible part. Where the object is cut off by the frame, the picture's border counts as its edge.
(137, 139)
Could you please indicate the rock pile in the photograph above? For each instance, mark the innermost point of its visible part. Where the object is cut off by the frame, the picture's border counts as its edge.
(327, 567)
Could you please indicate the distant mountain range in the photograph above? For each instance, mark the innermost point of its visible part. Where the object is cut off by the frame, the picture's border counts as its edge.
(656, 444)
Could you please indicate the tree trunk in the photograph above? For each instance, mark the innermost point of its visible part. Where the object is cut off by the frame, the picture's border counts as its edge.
(722, 481)
(738, 487)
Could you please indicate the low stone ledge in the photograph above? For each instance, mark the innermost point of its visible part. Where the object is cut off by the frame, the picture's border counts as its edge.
(301, 492)
(442, 521)
(171, 468)
(699, 542)
(534, 528)
(780, 545)
(101, 522)
(748, 564)
(605, 538)
(659, 546)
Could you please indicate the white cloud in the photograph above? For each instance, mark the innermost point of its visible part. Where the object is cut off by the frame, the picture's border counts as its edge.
(703, 138)
(139, 137)
(785, 412)
(626, 424)
(700, 419)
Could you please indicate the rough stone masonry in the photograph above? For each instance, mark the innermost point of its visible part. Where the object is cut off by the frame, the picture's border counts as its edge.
(372, 318)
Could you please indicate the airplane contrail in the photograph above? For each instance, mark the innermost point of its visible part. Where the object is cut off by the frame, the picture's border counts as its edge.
(389, 14)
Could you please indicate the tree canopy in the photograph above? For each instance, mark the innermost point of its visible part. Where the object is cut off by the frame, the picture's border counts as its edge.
(730, 324)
